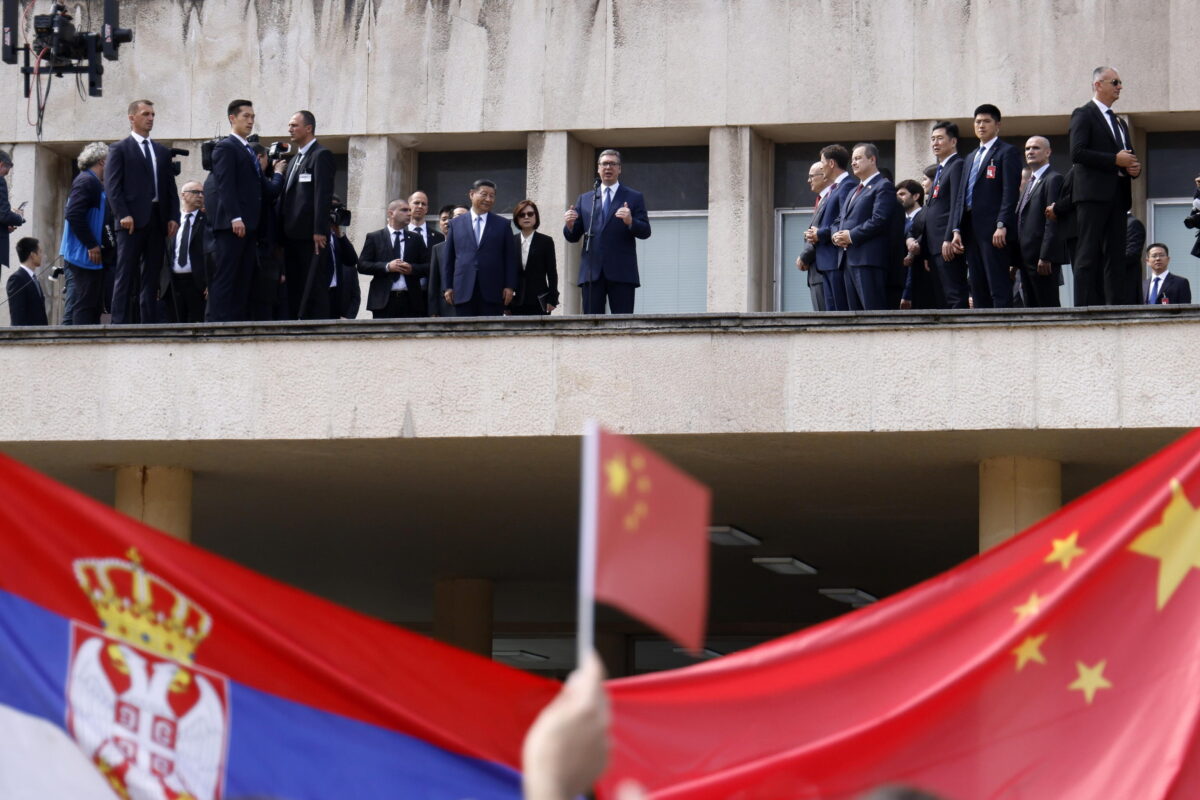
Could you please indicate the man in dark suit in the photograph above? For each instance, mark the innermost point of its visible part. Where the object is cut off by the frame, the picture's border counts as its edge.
(184, 275)
(235, 212)
(866, 231)
(482, 264)
(430, 234)
(141, 190)
(807, 260)
(827, 257)
(1041, 252)
(985, 211)
(26, 301)
(1135, 243)
(8, 217)
(304, 208)
(1163, 286)
(268, 294)
(1105, 164)
(435, 297)
(922, 287)
(338, 271)
(941, 200)
(609, 220)
(396, 258)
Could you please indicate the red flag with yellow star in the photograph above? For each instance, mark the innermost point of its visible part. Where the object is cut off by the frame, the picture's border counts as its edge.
(1062, 664)
(651, 537)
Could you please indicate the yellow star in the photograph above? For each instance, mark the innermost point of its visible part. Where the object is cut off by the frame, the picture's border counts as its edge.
(1065, 550)
(1030, 650)
(618, 475)
(1090, 680)
(1175, 542)
(1030, 607)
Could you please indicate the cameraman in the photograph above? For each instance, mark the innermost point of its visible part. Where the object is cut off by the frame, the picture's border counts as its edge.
(336, 272)
(82, 238)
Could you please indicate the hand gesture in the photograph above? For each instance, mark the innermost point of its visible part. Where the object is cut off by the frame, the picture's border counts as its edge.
(625, 215)
(570, 217)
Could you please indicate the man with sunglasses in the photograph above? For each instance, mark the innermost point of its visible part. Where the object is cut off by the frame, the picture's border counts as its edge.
(1105, 164)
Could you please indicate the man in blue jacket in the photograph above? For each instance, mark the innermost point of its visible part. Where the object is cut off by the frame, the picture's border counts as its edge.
(81, 248)
(608, 219)
(482, 262)
(866, 231)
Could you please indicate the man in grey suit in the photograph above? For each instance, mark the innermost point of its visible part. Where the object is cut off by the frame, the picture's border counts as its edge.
(806, 262)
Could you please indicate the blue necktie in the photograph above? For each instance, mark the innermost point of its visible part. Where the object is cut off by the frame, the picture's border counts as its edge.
(478, 229)
(937, 177)
(1153, 291)
(974, 176)
(254, 158)
(607, 201)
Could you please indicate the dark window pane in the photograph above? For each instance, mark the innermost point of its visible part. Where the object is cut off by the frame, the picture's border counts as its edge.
(792, 161)
(447, 177)
(1172, 164)
(671, 178)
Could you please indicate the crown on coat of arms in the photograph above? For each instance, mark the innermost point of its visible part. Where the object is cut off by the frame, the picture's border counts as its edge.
(142, 608)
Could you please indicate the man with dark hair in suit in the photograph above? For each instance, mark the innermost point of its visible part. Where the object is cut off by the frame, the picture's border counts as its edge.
(235, 212)
(608, 270)
(26, 302)
(1163, 286)
(8, 217)
(807, 260)
(867, 232)
(827, 257)
(1105, 164)
(940, 201)
(922, 288)
(985, 211)
(435, 297)
(141, 190)
(1041, 252)
(482, 264)
(395, 255)
(338, 271)
(304, 208)
(184, 275)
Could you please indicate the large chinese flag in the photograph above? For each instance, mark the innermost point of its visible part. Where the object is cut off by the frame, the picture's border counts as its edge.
(1062, 665)
(652, 539)
(134, 665)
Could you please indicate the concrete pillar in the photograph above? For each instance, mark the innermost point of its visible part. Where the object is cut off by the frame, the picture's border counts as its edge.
(462, 614)
(741, 270)
(161, 497)
(43, 178)
(1014, 493)
(912, 148)
(559, 168)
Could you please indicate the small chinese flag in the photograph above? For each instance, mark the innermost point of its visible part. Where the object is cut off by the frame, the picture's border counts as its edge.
(651, 538)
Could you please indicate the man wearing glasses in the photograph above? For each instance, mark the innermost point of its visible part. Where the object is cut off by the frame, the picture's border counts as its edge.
(608, 220)
(184, 280)
(1105, 164)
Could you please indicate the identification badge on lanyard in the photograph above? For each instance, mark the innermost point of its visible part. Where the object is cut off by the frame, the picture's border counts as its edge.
(936, 190)
(991, 171)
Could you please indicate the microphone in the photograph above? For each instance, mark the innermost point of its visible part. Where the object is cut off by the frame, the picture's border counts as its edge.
(596, 185)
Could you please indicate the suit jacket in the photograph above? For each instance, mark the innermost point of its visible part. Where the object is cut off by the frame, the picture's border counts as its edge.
(86, 191)
(1037, 236)
(377, 251)
(539, 276)
(995, 197)
(26, 305)
(1175, 289)
(196, 258)
(826, 255)
(432, 236)
(307, 194)
(349, 295)
(8, 217)
(129, 183)
(941, 203)
(239, 187)
(871, 220)
(495, 259)
(1093, 152)
(613, 251)
(1135, 240)
(437, 304)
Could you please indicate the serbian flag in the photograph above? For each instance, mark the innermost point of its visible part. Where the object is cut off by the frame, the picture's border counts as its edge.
(134, 665)
(1062, 664)
(644, 539)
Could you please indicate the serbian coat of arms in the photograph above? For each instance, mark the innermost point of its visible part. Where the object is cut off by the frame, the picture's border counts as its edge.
(153, 723)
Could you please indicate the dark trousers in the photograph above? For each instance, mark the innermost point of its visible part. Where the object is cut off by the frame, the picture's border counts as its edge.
(186, 297)
(86, 296)
(816, 292)
(953, 275)
(400, 305)
(619, 296)
(987, 267)
(139, 259)
(268, 296)
(926, 285)
(231, 278)
(477, 306)
(297, 264)
(866, 288)
(834, 286)
(1041, 291)
(1100, 277)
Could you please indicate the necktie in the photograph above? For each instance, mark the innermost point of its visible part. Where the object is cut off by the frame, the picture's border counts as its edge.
(478, 229)
(607, 200)
(37, 287)
(974, 176)
(937, 176)
(397, 251)
(908, 221)
(185, 241)
(1153, 298)
(294, 167)
(1028, 191)
(854, 196)
(254, 158)
(153, 168)
(1116, 126)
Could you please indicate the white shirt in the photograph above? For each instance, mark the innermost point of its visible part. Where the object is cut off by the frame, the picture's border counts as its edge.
(180, 247)
(398, 285)
(153, 160)
(1161, 277)
(336, 266)
(1118, 133)
(294, 166)
(525, 242)
(482, 225)
(986, 149)
(421, 229)
(910, 214)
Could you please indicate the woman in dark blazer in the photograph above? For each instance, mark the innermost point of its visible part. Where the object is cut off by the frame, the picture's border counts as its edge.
(538, 292)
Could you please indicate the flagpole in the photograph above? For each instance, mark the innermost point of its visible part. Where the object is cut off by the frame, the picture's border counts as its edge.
(589, 486)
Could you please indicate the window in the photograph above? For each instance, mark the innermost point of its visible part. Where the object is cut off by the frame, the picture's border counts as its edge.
(791, 285)
(447, 177)
(673, 264)
(1166, 225)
